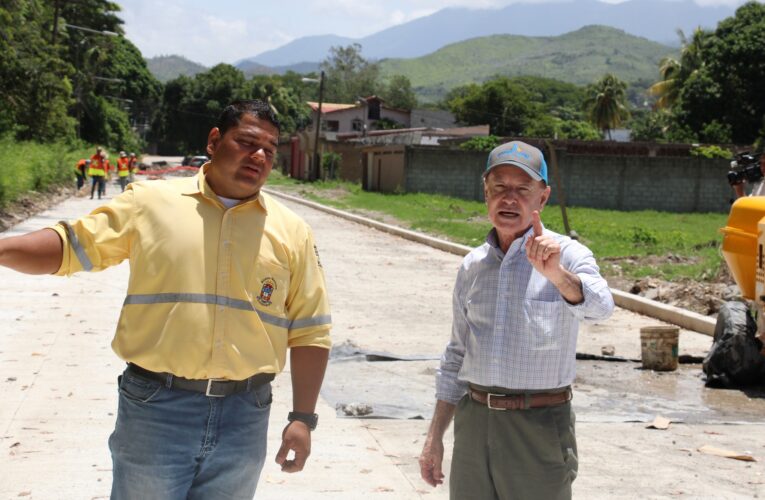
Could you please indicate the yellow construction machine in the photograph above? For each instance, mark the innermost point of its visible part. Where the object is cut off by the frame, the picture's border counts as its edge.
(737, 357)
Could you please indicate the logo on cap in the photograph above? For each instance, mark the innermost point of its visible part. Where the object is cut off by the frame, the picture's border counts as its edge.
(515, 151)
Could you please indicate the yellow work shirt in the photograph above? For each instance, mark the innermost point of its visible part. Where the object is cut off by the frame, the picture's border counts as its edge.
(213, 293)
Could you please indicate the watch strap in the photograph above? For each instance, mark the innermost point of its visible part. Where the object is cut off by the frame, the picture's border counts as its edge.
(310, 419)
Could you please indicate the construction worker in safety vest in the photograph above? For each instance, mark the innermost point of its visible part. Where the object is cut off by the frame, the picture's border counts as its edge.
(97, 172)
(108, 168)
(133, 165)
(123, 169)
(81, 171)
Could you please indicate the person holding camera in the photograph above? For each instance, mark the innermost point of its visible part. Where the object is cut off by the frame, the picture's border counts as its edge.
(745, 169)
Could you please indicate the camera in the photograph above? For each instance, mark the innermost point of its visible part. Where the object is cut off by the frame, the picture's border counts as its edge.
(745, 167)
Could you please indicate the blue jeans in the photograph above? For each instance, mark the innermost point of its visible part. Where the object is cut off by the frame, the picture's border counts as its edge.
(100, 182)
(175, 444)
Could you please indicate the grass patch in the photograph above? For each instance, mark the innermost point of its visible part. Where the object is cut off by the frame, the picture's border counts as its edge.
(30, 166)
(643, 243)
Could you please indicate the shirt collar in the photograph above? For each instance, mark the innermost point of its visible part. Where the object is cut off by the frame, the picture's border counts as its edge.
(518, 244)
(200, 186)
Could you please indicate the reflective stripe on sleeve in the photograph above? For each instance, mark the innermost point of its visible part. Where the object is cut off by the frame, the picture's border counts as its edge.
(78, 250)
(205, 298)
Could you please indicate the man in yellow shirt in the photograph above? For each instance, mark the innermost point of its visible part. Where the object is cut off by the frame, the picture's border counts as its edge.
(224, 280)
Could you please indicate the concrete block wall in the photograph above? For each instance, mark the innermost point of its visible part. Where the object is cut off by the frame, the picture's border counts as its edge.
(672, 184)
(444, 171)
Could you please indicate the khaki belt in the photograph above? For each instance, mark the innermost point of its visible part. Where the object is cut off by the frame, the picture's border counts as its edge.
(519, 401)
(215, 388)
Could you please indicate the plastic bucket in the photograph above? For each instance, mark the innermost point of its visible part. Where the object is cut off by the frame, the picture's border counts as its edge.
(658, 346)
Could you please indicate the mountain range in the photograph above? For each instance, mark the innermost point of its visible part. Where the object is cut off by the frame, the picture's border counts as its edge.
(656, 20)
(579, 57)
(455, 46)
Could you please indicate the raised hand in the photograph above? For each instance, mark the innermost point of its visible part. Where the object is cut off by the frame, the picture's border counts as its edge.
(543, 251)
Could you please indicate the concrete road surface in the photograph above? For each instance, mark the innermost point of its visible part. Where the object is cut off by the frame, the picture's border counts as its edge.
(390, 296)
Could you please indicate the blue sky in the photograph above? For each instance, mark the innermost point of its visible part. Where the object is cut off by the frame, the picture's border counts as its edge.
(210, 32)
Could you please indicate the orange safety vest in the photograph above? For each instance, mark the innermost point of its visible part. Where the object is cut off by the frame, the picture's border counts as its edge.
(123, 167)
(80, 168)
(97, 167)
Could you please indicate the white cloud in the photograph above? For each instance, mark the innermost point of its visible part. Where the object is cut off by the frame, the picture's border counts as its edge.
(202, 35)
(229, 30)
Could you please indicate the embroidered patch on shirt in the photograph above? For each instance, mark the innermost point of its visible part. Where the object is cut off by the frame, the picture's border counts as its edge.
(268, 288)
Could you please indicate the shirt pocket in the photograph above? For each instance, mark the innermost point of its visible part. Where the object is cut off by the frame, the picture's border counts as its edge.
(543, 324)
(270, 284)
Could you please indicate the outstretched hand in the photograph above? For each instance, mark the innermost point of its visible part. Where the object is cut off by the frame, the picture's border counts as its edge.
(543, 251)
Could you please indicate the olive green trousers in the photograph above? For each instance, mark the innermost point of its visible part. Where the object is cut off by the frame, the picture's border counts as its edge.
(513, 454)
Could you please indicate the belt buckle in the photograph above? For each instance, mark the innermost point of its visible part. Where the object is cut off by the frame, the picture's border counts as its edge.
(488, 401)
(209, 386)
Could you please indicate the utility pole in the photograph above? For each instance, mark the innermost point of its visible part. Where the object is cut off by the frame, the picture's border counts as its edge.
(317, 157)
(316, 167)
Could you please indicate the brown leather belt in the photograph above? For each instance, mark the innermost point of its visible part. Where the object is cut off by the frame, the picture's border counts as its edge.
(214, 388)
(519, 401)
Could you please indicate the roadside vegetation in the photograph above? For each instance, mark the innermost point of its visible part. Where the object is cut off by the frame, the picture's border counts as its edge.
(30, 166)
(630, 244)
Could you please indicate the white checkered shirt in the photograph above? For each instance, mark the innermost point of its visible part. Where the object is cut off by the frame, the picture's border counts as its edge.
(511, 327)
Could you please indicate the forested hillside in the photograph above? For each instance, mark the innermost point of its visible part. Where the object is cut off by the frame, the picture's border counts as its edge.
(579, 57)
(166, 68)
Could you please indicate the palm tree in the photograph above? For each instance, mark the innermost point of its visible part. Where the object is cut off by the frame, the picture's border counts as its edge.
(667, 90)
(674, 73)
(606, 103)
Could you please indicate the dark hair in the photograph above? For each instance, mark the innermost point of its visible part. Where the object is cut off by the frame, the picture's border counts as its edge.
(232, 113)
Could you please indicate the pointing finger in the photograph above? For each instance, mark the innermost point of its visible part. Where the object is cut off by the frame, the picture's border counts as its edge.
(537, 223)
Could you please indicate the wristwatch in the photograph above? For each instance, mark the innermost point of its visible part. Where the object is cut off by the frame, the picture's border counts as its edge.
(309, 419)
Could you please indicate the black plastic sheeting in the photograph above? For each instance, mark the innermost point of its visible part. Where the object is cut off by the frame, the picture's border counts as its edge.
(734, 359)
(380, 384)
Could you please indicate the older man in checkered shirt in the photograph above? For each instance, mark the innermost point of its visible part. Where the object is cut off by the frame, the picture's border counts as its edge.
(507, 371)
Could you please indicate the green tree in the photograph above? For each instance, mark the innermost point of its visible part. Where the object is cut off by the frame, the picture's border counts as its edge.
(35, 79)
(561, 99)
(667, 90)
(107, 76)
(605, 103)
(732, 75)
(191, 106)
(348, 75)
(483, 144)
(577, 129)
(505, 106)
(675, 72)
(285, 100)
(649, 127)
(399, 94)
